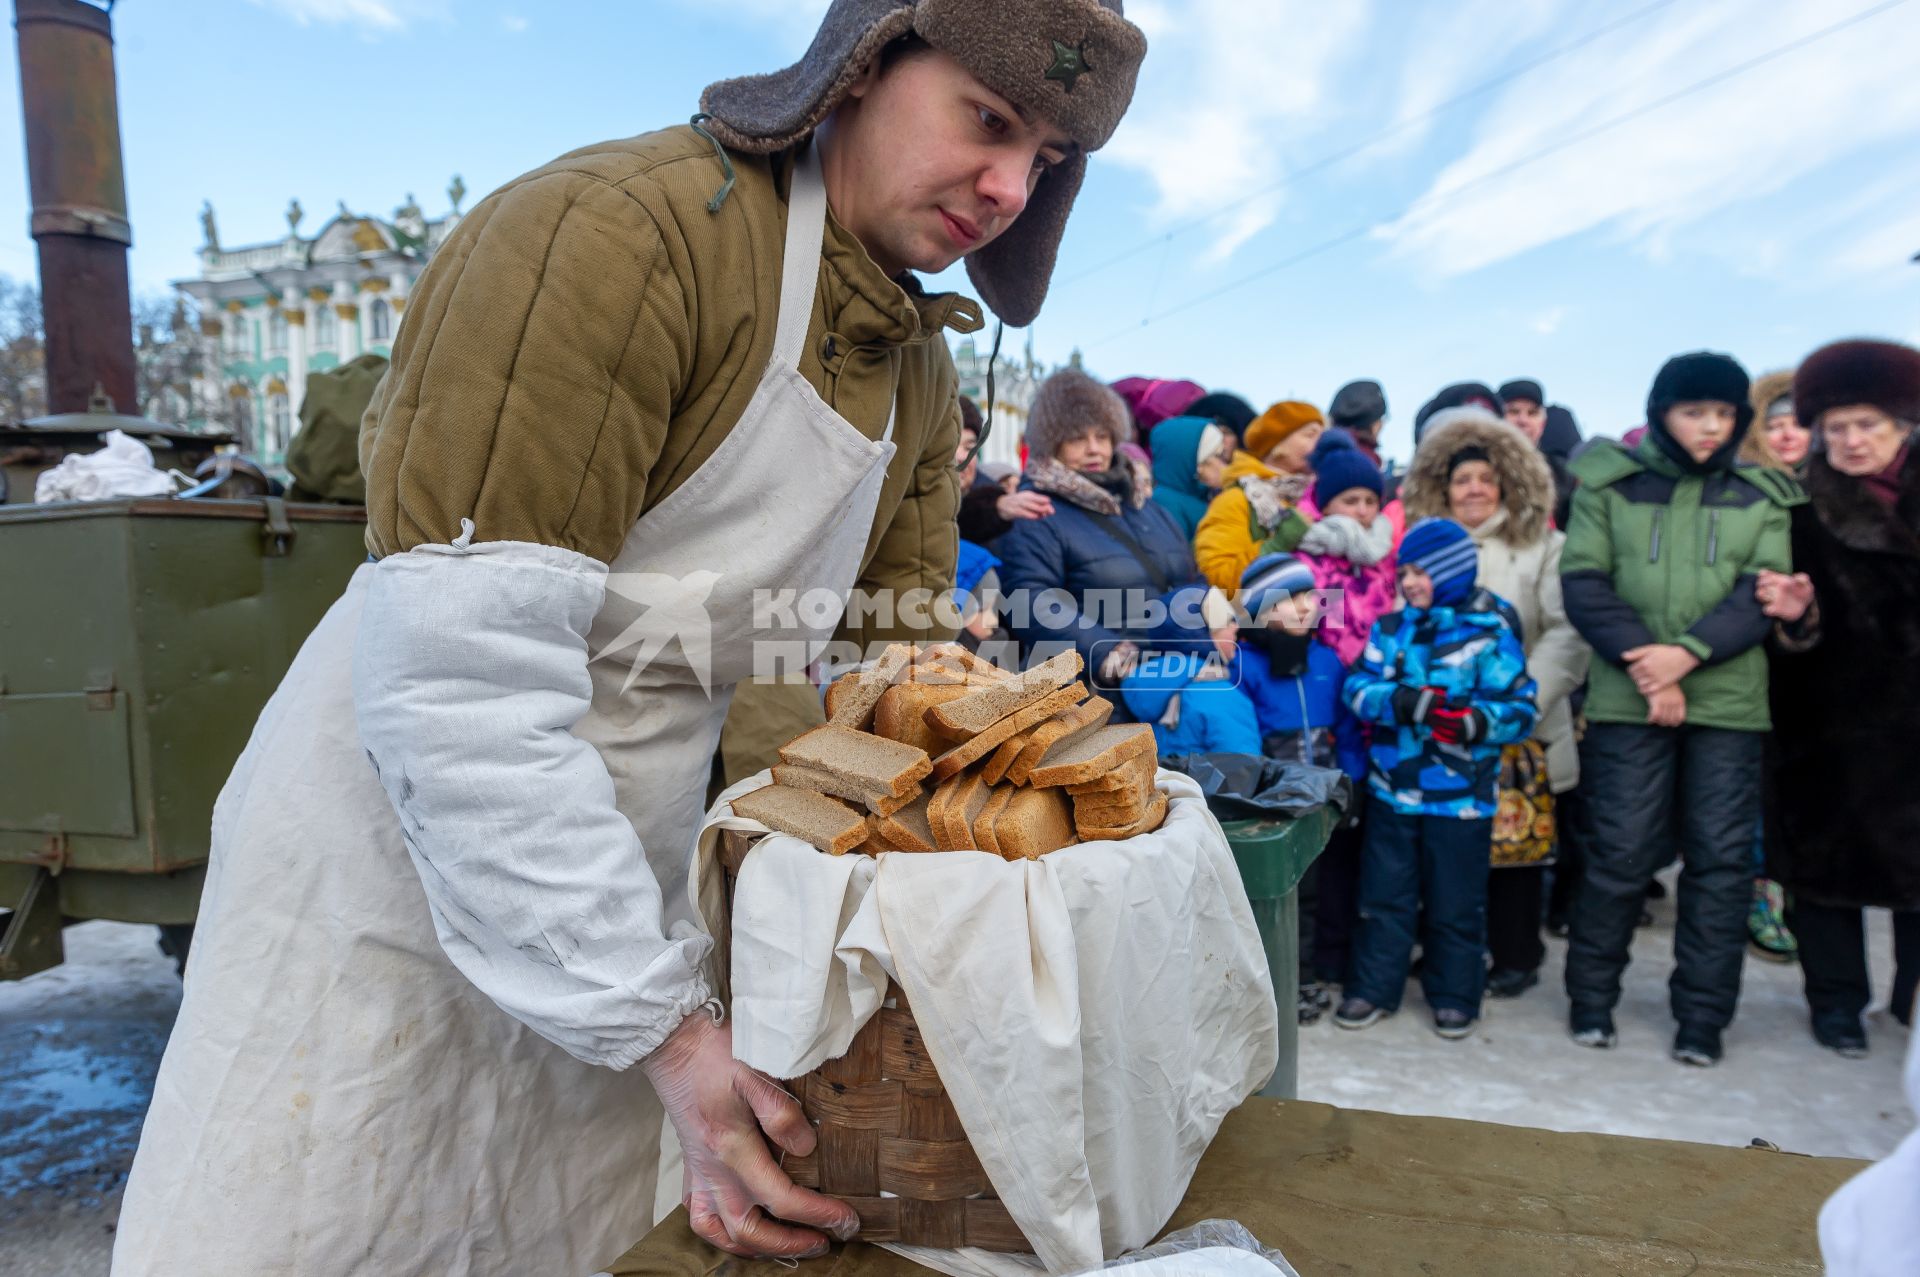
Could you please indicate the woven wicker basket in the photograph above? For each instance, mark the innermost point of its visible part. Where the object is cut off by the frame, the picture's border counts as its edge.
(891, 1145)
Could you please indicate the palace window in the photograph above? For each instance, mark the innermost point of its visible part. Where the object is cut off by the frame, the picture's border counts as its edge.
(379, 322)
(323, 327)
(277, 332)
(279, 423)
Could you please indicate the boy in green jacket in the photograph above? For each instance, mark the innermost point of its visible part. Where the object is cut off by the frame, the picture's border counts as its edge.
(1663, 552)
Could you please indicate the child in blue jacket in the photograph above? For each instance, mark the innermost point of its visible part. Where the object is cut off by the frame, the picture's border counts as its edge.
(1293, 681)
(1444, 684)
(1186, 685)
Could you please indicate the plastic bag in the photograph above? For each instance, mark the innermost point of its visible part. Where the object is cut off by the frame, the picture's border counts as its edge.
(122, 468)
(1221, 1247)
(1242, 786)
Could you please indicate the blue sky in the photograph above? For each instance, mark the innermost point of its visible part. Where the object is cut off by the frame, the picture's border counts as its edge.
(1535, 188)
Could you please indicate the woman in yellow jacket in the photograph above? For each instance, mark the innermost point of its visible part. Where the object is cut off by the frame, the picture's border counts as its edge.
(1264, 485)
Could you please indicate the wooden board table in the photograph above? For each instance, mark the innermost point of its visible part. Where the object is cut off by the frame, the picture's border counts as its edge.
(1376, 1195)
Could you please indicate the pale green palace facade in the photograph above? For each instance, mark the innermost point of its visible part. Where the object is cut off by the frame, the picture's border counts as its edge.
(274, 313)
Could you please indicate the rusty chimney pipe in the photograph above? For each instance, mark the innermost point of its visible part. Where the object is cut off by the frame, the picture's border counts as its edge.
(79, 194)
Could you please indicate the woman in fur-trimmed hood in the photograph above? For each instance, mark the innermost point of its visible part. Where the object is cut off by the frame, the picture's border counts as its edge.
(1104, 535)
(1478, 470)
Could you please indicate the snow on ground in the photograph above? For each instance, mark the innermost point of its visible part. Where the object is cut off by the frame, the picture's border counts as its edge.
(83, 1042)
(1522, 1069)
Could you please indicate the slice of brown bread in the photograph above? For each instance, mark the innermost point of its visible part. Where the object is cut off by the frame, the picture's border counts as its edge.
(873, 762)
(964, 809)
(827, 823)
(972, 751)
(950, 663)
(1093, 755)
(1136, 774)
(985, 706)
(1004, 757)
(837, 690)
(1156, 812)
(854, 707)
(1118, 808)
(1057, 733)
(908, 828)
(834, 787)
(1033, 823)
(822, 782)
(937, 809)
(997, 799)
(901, 714)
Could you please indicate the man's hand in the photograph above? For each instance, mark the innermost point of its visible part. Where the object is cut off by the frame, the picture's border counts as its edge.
(735, 1192)
(1659, 665)
(1024, 505)
(1782, 597)
(1667, 707)
(1121, 661)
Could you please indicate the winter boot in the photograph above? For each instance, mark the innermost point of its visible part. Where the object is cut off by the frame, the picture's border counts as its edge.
(1698, 1045)
(1358, 1013)
(1592, 1027)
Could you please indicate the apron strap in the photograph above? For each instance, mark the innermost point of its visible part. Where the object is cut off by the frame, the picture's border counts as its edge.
(800, 268)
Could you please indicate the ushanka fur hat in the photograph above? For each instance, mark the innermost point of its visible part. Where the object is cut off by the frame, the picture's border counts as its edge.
(1071, 62)
(1069, 405)
(1885, 374)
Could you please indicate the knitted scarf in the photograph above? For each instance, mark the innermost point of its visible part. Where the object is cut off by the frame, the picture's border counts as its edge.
(1270, 499)
(1102, 496)
(1340, 536)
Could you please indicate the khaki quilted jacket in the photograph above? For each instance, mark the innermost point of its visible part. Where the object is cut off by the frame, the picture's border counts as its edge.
(589, 333)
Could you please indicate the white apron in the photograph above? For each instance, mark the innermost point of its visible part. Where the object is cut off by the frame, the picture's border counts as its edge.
(336, 1097)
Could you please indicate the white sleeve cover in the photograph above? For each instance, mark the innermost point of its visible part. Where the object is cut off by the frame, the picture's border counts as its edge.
(469, 672)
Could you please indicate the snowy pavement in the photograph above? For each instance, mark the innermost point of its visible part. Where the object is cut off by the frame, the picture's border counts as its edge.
(82, 1043)
(1521, 1069)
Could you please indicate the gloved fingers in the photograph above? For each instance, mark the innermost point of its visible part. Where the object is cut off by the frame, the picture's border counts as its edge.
(704, 1218)
(762, 1182)
(778, 1113)
(756, 1233)
(728, 1221)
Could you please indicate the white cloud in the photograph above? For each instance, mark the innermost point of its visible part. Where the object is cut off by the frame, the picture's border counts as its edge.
(1675, 166)
(372, 16)
(794, 20)
(1228, 91)
(1548, 321)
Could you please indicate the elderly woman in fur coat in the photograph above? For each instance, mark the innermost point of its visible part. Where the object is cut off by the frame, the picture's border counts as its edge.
(1484, 474)
(1845, 818)
(1087, 574)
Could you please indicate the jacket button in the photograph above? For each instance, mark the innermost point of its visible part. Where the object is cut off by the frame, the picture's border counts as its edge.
(827, 350)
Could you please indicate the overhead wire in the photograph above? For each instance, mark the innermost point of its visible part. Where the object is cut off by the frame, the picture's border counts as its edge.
(1369, 142)
(1428, 203)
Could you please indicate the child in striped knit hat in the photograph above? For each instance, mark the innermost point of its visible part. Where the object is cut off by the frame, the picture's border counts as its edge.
(1444, 685)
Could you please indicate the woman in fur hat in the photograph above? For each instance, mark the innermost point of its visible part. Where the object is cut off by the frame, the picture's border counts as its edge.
(1845, 828)
(1085, 575)
(447, 978)
(1488, 476)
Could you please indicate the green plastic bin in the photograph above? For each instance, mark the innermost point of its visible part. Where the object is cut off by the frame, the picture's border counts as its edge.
(1273, 856)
